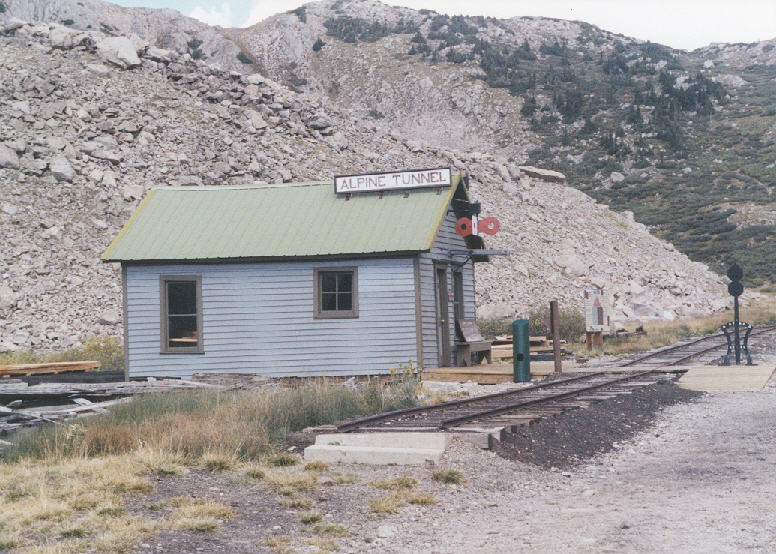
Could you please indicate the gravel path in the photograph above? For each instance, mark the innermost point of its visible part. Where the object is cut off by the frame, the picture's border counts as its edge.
(700, 480)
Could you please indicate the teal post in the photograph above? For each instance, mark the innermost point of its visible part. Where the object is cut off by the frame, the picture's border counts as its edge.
(521, 351)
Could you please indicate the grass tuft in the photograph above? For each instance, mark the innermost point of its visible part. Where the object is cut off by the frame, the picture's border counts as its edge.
(309, 517)
(316, 466)
(284, 460)
(421, 499)
(74, 533)
(448, 476)
(300, 502)
(330, 529)
(337, 478)
(405, 482)
(386, 505)
(217, 462)
(255, 472)
(279, 543)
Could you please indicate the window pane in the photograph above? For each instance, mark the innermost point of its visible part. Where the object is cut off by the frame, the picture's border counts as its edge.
(344, 282)
(345, 301)
(328, 301)
(328, 281)
(181, 297)
(183, 330)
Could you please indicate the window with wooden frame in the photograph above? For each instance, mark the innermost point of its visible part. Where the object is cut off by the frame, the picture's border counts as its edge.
(181, 314)
(335, 292)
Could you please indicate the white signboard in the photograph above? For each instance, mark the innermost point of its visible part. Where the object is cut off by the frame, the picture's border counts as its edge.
(597, 311)
(393, 180)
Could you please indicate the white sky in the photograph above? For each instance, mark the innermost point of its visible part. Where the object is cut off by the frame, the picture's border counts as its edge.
(686, 24)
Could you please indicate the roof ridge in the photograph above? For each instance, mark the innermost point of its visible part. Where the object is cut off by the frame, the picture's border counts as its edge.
(245, 187)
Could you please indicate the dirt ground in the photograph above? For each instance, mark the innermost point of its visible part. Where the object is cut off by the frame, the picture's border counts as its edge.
(667, 471)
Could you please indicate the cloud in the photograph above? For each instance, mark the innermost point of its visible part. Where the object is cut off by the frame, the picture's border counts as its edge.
(262, 9)
(214, 15)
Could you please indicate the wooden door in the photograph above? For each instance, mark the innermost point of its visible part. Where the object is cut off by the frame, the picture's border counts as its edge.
(443, 321)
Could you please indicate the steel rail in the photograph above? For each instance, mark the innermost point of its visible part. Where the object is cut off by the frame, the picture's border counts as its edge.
(451, 422)
(353, 423)
(677, 347)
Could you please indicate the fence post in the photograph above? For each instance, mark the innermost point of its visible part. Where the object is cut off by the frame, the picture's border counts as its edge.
(555, 327)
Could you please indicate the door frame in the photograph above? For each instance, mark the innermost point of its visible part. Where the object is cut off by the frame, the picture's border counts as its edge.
(441, 294)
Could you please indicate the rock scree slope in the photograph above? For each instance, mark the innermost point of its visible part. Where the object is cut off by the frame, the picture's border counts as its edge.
(88, 125)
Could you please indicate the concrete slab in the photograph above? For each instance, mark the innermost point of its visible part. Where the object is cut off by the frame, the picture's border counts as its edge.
(377, 448)
(380, 440)
(371, 455)
(725, 378)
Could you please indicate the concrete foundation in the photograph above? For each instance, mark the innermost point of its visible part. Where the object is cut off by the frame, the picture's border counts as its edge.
(377, 448)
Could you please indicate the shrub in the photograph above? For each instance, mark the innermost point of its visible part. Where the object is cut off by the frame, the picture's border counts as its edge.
(310, 517)
(318, 44)
(282, 460)
(572, 323)
(244, 58)
(400, 483)
(491, 327)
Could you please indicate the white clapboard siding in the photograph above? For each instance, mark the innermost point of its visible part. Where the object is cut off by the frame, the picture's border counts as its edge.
(258, 318)
(447, 239)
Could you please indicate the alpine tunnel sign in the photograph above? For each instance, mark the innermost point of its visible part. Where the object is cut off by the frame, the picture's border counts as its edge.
(393, 180)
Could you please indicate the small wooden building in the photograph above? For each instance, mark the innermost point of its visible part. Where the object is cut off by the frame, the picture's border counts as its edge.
(294, 279)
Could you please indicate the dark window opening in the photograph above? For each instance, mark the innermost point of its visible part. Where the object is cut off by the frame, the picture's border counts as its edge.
(336, 293)
(181, 315)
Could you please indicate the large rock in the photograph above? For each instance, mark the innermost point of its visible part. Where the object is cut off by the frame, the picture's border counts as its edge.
(61, 169)
(544, 174)
(7, 299)
(119, 51)
(8, 158)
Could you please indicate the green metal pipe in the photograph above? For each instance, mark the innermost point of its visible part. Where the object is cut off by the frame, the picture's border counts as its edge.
(521, 351)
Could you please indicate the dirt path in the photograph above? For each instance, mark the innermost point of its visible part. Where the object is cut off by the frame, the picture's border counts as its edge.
(701, 480)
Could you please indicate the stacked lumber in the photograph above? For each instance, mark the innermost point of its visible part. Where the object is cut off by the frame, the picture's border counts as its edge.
(51, 367)
(502, 346)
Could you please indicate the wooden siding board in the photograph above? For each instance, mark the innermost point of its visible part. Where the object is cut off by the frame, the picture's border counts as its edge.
(258, 318)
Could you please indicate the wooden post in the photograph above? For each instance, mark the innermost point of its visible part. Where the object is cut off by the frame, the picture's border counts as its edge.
(555, 327)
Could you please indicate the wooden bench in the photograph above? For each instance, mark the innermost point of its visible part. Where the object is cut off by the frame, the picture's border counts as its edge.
(469, 344)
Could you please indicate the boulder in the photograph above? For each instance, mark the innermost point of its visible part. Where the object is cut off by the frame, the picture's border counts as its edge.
(8, 158)
(544, 174)
(61, 169)
(7, 299)
(119, 51)
(11, 25)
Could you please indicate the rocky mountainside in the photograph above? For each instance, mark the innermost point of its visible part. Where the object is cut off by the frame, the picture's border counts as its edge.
(685, 140)
(88, 122)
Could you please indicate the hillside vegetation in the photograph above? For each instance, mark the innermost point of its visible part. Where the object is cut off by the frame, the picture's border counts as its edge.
(683, 140)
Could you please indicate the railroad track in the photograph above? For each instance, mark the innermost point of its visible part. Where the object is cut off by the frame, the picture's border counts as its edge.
(493, 415)
(504, 411)
(687, 351)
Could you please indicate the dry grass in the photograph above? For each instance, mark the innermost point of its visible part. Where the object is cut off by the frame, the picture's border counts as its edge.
(232, 425)
(316, 466)
(301, 502)
(388, 504)
(405, 482)
(280, 544)
(337, 478)
(310, 517)
(198, 514)
(421, 499)
(72, 505)
(330, 529)
(664, 333)
(284, 480)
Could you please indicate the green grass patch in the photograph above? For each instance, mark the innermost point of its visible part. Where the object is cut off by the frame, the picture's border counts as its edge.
(190, 425)
(448, 476)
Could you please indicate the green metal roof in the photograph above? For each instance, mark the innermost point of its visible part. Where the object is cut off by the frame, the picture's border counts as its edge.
(275, 221)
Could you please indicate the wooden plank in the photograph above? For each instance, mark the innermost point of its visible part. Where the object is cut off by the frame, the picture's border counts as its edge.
(50, 367)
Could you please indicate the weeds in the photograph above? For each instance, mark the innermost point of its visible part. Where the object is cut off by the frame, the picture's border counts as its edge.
(188, 425)
(254, 472)
(217, 462)
(301, 502)
(108, 350)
